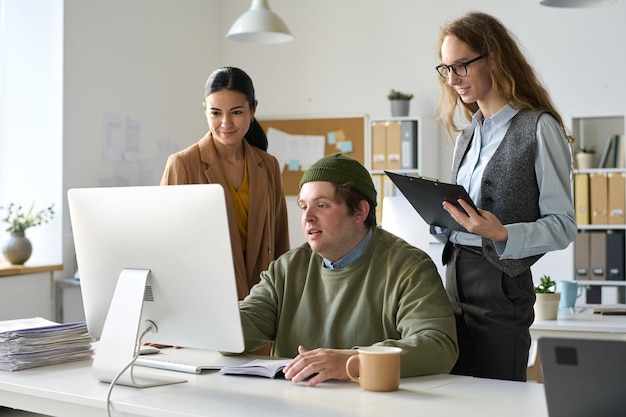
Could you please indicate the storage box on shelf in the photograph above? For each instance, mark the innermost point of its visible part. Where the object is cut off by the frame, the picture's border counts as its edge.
(599, 201)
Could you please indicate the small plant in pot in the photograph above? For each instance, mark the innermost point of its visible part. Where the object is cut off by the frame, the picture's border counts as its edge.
(18, 248)
(399, 103)
(547, 302)
(584, 157)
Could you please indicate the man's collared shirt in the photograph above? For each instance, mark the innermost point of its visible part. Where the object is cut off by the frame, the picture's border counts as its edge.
(353, 255)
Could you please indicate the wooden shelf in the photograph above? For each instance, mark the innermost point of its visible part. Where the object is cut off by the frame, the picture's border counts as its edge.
(606, 170)
(601, 226)
(7, 270)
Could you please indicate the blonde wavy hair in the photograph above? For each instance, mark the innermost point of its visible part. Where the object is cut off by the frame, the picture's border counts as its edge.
(511, 75)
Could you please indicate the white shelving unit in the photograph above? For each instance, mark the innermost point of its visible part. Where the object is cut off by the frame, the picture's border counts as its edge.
(594, 132)
(390, 144)
(401, 218)
(419, 148)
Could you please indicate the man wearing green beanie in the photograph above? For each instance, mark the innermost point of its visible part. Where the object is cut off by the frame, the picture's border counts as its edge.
(351, 284)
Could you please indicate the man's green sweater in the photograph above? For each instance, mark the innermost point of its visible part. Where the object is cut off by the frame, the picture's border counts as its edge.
(392, 295)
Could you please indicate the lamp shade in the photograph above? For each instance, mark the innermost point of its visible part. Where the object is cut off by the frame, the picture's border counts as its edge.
(577, 3)
(259, 25)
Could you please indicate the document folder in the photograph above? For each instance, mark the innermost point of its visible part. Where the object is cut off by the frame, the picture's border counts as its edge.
(617, 200)
(409, 144)
(426, 196)
(614, 255)
(394, 145)
(581, 199)
(599, 197)
(379, 146)
(597, 255)
(581, 256)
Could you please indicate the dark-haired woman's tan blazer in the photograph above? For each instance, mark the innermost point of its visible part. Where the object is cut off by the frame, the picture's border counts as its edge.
(268, 234)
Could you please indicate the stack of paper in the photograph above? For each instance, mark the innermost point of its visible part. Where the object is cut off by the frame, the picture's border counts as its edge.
(28, 343)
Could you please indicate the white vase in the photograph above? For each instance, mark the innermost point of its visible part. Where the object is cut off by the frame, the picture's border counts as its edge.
(584, 160)
(17, 249)
(547, 306)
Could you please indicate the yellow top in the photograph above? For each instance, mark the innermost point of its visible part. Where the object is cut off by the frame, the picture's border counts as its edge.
(241, 202)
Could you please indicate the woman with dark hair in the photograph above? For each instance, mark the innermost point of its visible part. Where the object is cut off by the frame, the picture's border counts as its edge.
(514, 159)
(233, 154)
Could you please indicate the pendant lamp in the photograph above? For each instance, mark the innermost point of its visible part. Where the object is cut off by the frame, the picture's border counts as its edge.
(259, 25)
(577, 3)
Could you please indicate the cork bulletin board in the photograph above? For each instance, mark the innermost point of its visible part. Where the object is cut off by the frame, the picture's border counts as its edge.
(341, 129)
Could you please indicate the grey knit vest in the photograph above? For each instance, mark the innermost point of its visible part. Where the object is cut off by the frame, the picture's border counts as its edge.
(509, 188)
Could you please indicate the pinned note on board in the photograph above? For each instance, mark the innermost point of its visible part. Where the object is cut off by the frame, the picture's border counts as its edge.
(345, 146)
(305, 140)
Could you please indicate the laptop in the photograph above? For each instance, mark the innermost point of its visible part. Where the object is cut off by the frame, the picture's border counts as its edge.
(584, 377)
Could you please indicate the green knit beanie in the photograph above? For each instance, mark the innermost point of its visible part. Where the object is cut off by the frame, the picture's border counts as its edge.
(340, 169)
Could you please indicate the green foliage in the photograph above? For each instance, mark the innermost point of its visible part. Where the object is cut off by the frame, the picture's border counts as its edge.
(397, 95)
(19, 220)
(546, 285)
(582, 149)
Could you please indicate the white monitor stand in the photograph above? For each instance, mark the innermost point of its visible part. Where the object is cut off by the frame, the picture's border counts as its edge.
(119, 341)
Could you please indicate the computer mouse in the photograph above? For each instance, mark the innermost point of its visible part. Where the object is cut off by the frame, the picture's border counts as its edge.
(148, 350)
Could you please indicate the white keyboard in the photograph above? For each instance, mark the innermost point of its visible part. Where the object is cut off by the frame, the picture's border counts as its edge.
(176, 364)
(189, 360)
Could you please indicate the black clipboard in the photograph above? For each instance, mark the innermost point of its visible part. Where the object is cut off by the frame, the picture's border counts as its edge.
(426, 196)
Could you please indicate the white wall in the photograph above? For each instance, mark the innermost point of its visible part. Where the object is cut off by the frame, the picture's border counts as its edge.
(148, 60)
(348, 54)
(143, 60)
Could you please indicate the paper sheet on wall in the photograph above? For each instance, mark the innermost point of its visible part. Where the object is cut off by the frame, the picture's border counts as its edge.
(122, 138)
(293, 150)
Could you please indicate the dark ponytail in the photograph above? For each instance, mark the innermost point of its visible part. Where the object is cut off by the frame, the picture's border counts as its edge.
(256, 136)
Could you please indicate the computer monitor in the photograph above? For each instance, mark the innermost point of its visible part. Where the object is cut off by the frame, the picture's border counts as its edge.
(170, 244)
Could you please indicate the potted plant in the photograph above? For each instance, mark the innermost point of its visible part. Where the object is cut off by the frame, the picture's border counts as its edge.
(18, 248)
(584, 157)
(547, 299)
(399, 103)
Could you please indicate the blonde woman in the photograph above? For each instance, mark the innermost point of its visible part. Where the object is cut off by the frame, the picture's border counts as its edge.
(514, 160)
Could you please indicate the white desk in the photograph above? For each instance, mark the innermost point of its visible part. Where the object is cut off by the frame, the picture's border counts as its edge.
(69, 390)
(577, 325)
(581, 325)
